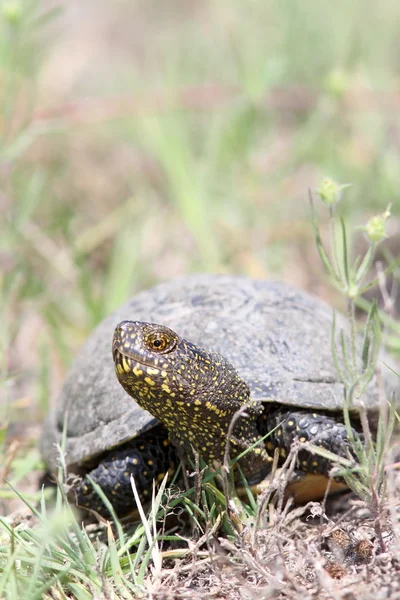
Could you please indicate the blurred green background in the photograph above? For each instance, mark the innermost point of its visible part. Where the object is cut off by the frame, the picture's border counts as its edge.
(144, 140)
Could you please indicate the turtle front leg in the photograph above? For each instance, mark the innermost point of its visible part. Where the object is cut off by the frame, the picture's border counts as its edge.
(147, 458)
(289, 425)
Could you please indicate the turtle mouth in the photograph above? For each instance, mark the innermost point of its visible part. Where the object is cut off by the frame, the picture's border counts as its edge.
(129, 359)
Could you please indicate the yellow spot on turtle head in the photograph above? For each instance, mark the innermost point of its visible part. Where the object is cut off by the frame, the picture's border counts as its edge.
(152, 371)
(136, 371)
(150, 381)
(125, 365)
(120, 369)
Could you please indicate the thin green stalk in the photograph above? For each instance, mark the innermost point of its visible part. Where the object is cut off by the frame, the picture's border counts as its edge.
(333, 244)
(351, 315)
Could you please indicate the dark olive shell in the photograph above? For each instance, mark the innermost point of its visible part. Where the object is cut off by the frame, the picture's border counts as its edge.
(278, 338)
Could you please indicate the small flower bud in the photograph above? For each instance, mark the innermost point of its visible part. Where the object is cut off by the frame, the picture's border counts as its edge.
(331, 192)
(337, 82)
(12, 12)
(375, 228)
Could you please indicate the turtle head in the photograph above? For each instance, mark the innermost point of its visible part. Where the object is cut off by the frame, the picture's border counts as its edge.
(162, 370)
(195, 393)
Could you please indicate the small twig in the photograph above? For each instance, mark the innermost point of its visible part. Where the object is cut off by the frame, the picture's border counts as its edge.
(239, 413)
(197, 488)
(197, 481)
(210, 96)
(11, 453)
(376, 510)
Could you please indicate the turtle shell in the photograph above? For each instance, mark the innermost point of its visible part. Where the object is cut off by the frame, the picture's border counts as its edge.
(278, 338)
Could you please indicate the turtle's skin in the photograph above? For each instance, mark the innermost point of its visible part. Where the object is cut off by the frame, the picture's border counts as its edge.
(225, 342)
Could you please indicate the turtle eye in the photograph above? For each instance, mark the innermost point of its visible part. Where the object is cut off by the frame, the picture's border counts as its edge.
(160, 342)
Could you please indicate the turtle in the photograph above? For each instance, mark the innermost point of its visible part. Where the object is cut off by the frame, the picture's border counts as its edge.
(193, 362)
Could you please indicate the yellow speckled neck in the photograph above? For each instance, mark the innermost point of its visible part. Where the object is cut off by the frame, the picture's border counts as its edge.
(195, 393)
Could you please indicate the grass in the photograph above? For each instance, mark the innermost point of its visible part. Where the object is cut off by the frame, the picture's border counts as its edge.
(157, 154)
(357, 361)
